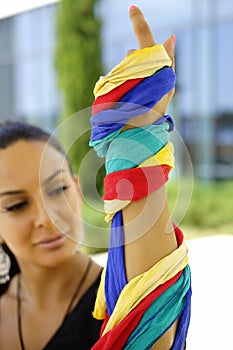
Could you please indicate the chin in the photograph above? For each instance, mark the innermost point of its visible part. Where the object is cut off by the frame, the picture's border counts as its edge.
(58, 257)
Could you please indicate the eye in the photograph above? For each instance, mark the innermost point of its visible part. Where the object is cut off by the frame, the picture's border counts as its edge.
(58, 190)
(16, 207)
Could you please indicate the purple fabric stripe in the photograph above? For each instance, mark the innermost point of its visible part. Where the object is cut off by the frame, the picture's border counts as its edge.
(100, 132)
(137, 101)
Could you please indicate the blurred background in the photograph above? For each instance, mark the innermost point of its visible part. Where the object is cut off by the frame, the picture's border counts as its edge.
(52, 53)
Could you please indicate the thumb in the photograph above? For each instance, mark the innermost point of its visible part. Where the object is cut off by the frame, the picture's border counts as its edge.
(169, 45)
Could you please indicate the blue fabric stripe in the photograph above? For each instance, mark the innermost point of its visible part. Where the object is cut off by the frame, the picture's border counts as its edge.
(135, 102)
(138, 100)
(115, 279)
(184, 321)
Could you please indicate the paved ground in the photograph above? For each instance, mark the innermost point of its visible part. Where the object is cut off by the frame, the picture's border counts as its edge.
(211, 261)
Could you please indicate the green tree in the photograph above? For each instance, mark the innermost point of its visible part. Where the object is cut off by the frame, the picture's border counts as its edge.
(78, 64)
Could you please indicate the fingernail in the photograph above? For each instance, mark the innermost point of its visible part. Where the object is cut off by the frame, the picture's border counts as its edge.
(132, 7)
(173, 37)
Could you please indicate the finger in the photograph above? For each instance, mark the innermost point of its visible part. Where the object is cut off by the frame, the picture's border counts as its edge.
(141, 28)
(169, 45)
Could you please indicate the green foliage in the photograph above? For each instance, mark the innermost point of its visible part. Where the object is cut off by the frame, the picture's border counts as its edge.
(78, 64)
(210, 208)
(209, 212)
(97, 231)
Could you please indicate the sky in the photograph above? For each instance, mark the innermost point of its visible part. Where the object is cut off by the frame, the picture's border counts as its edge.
(11, 7)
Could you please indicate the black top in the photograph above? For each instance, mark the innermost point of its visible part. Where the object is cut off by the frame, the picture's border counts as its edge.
(80, 330)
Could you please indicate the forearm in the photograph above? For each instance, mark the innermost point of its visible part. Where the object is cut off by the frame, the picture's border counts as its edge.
(149, 234)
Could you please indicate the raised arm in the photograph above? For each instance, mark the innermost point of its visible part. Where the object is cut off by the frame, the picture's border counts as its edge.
(149, 234)
(146, 284)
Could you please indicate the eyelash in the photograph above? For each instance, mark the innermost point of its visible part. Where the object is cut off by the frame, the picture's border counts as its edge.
(21, 205)
(16, 207)
(58, 190)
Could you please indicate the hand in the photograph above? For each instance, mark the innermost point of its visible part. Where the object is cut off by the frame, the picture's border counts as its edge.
(145, 38)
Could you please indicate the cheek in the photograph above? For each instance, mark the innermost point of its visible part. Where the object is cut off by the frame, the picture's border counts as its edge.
(68, 215)
(73, 204)
(15, 233)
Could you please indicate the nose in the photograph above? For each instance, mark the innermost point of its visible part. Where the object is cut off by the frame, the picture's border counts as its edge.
(42, 215)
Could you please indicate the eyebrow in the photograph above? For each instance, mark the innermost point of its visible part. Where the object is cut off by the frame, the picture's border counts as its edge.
(50, 178)
(7, 193)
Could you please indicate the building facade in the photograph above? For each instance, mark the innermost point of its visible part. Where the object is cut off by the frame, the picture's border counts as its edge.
(28, 88)
(203, 103)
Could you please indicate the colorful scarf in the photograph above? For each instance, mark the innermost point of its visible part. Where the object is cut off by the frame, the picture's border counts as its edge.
(138, 161)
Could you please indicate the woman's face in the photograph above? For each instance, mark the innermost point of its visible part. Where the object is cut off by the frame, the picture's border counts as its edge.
(39, 203)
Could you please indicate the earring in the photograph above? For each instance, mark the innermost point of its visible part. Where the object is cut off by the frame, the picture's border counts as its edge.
(5, 264)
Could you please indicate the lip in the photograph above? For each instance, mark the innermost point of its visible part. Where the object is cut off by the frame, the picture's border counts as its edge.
(51, 242)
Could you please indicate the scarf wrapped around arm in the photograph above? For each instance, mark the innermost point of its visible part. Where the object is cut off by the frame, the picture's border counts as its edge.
(138, 161)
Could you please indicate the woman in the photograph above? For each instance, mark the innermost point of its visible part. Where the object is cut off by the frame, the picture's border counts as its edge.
(51, 300)
(144, 294)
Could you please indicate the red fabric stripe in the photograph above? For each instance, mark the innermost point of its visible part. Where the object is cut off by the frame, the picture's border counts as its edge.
(108, 100)
(118, 336)
(136, 183)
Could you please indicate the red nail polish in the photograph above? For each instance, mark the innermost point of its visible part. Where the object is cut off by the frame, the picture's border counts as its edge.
(132, 7)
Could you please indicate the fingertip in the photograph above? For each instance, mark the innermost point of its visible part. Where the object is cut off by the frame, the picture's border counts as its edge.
(133, 10)
(132, 7)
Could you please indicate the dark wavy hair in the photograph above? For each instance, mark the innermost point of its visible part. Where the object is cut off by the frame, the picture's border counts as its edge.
(11, 132)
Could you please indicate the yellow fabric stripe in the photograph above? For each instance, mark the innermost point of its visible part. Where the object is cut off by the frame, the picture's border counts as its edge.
(140, 286)
(100, 301)
(111, 207)
(140, 64)
(164, 156)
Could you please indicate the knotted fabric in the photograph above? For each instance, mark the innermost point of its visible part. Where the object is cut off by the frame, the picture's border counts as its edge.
(138, 312)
